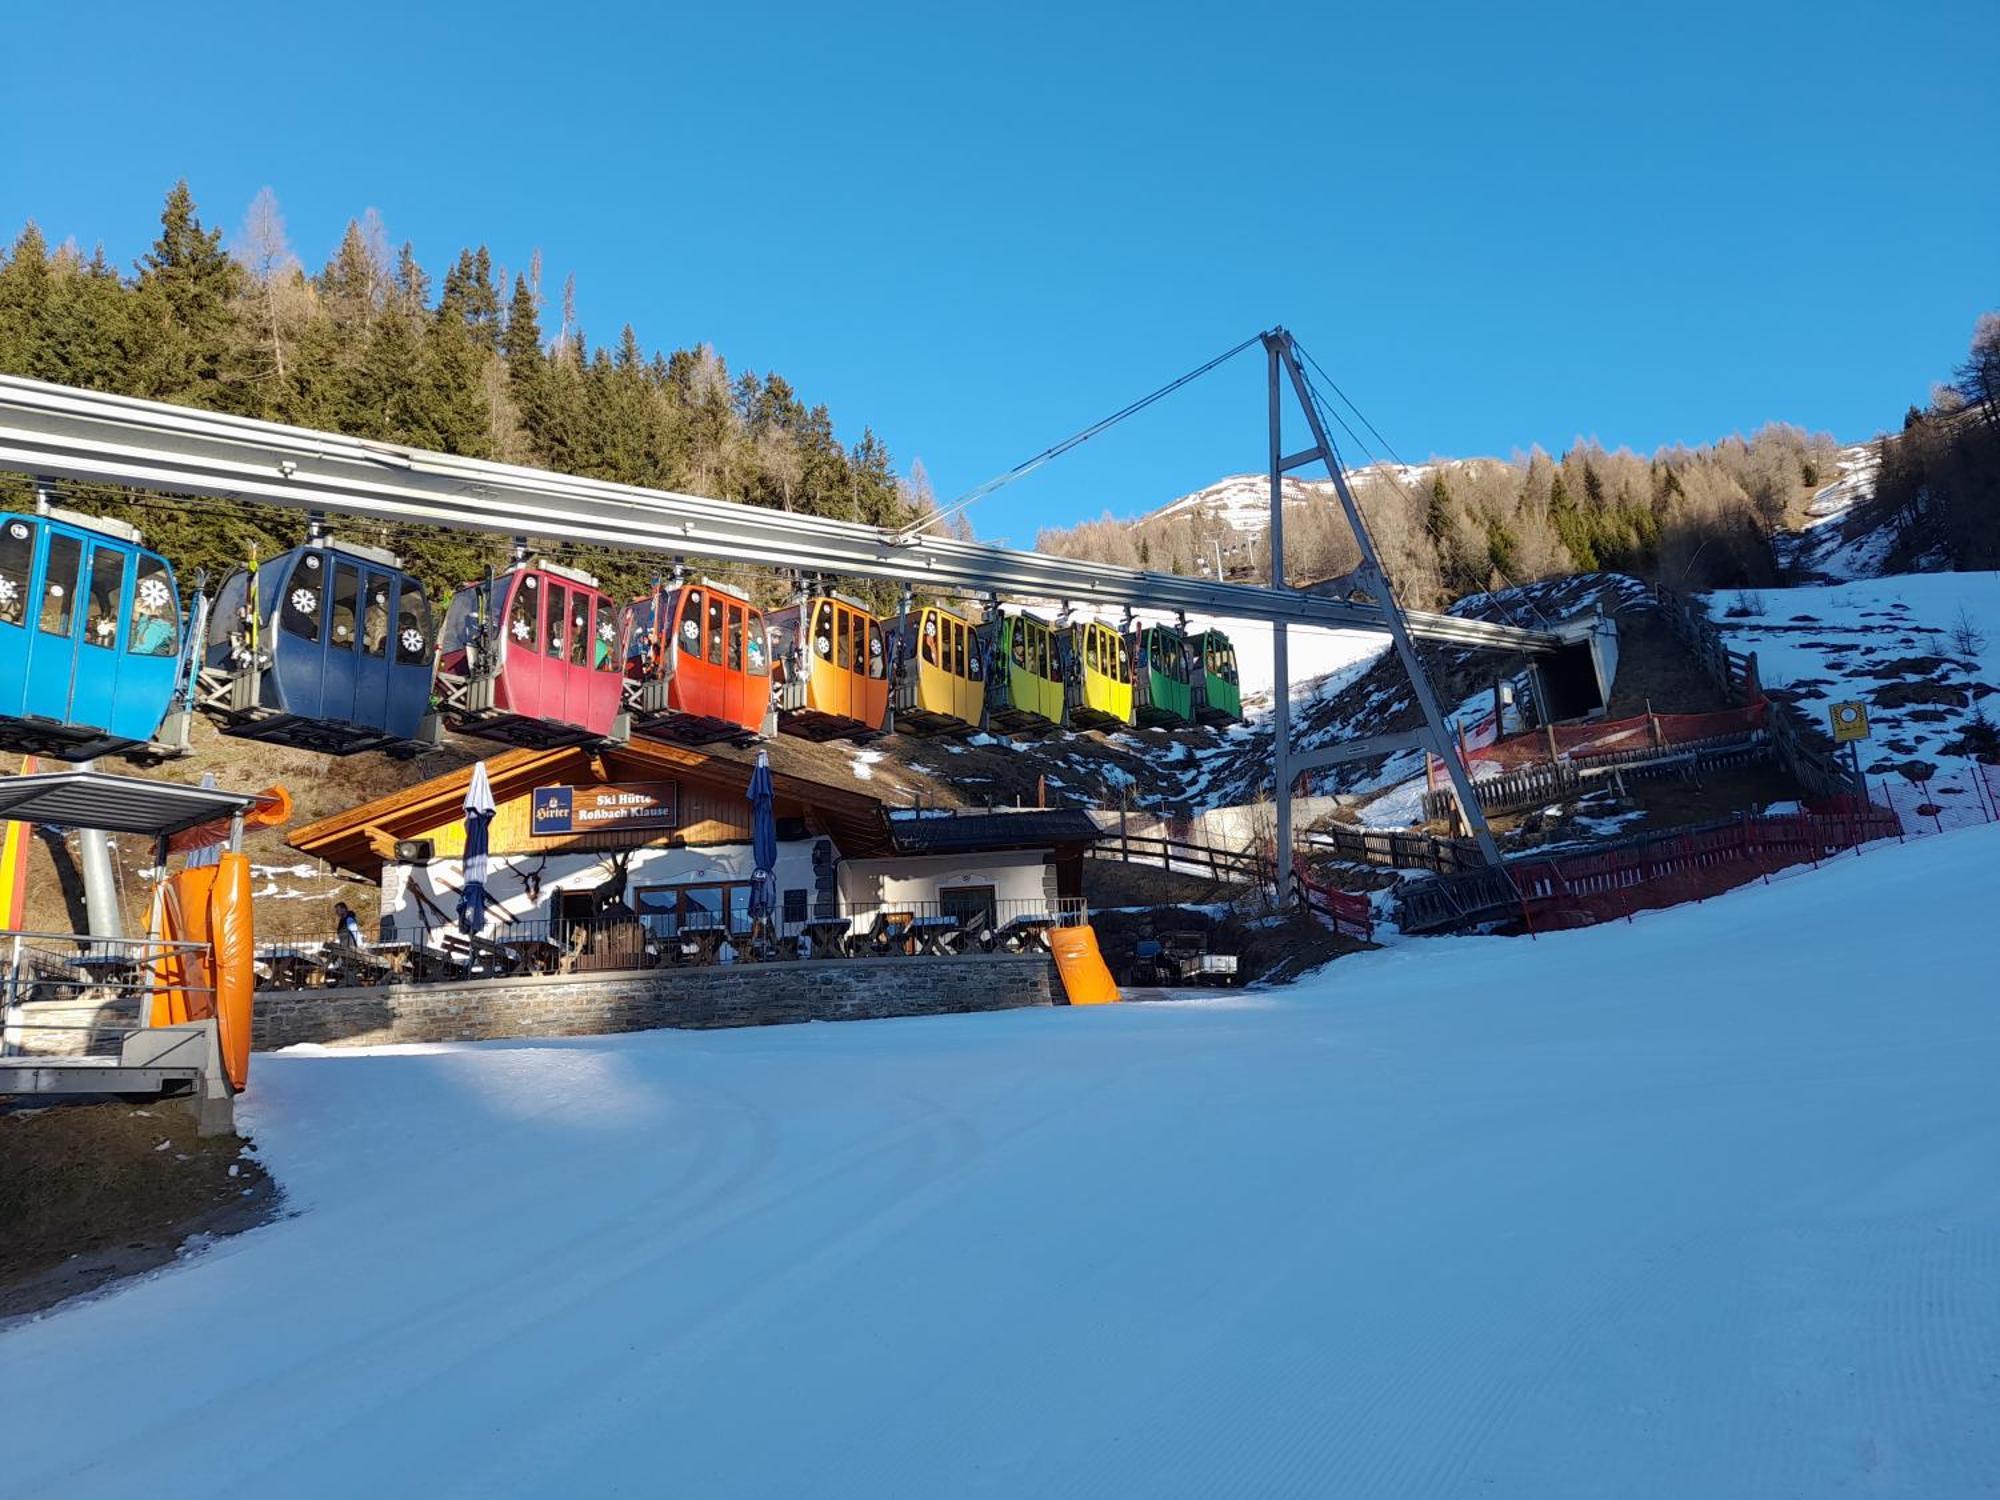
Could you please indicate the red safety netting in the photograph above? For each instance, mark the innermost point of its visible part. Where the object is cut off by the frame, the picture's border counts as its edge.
(1690, 865)
(1955, 797)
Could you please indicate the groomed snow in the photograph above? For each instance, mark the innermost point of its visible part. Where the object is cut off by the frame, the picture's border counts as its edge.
(1700, 1206)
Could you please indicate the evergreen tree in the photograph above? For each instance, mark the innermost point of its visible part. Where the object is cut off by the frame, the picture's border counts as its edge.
(183, 311)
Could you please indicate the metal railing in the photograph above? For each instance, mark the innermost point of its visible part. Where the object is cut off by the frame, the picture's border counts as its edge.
(645, 940)
(83, 996)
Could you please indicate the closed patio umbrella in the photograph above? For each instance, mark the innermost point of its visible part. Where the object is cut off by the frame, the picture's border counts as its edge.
(479, 809)
(763, 839)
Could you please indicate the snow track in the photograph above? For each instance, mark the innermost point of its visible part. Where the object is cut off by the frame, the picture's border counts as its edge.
(1700, 1205)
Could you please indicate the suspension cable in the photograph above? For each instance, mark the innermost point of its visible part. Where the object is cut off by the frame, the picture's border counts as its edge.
(924, 523)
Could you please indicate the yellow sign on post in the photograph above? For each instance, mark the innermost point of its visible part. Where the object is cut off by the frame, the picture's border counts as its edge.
(1850, 722)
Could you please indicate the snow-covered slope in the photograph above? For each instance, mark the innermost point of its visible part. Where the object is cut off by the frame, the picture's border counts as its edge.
(1698, 1206)
(1893, 643)
(1839, 541)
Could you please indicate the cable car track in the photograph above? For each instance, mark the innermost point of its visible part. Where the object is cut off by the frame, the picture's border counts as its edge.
(96, 437)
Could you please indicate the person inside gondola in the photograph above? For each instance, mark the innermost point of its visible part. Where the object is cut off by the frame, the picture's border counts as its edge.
(17, 550)
(154, 612)
(375, 622)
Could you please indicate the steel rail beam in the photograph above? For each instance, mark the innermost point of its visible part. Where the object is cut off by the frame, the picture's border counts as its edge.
(96, 437)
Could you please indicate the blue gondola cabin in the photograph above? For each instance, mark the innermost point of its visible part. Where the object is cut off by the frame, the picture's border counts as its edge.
(326, 647)
(90, 627)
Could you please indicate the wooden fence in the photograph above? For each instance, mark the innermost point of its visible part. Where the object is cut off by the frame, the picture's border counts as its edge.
(1230, 866)
(1396, 851)
(1562, 781)
(1735, 673)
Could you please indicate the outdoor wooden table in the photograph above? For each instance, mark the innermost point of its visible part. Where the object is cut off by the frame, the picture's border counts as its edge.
(937, 935)
(395, 955)
(489, 955)
(427, 961)
(289, 966)
(1027, 934)
(106, 968)
(706, 938)
(827, 936)
(354, 966)
(888, 935)
(536, 955)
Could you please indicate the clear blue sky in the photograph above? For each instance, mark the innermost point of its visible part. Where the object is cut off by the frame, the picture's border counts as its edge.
(980, 227)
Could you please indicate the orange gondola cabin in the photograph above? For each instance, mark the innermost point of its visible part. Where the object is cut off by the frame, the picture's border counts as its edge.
(698, 660)
(832, 662)
(531, 658)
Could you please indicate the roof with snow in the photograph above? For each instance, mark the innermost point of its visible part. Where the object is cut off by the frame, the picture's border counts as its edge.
(964, 833)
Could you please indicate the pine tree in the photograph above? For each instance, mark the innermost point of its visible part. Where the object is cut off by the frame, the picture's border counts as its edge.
(187, 284)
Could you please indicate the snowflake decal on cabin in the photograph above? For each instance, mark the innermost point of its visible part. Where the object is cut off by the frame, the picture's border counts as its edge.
(520, 630)
(153, 594)
(604, 630)
(413, 642)
(692, 632)
(303, 600)
(9, 591)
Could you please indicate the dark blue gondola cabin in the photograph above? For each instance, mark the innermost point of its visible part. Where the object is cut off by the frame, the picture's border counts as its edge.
(326, 647)
(90, 624)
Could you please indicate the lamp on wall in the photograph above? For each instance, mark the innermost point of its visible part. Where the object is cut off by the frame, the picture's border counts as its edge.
(414, 851)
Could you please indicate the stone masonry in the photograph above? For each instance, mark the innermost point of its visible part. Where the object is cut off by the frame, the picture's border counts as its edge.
(647, 999)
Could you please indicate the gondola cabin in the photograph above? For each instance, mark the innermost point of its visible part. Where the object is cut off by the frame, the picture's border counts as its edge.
(1099, 677)
(939, 681)
(90, 627)
(1024, 686)
(699, 660)
(1161, 697)
(532, 658)
(832, 661)
(326, 647)
(1218, 691)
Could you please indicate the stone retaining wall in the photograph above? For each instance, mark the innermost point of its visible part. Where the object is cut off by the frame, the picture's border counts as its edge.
(646, 999)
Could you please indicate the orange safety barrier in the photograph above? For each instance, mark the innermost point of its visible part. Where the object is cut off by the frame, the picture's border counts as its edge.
(1085, 979)
(210, 905)
(232, 952)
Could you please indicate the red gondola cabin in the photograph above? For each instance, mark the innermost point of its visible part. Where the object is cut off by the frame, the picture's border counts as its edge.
(532, 658)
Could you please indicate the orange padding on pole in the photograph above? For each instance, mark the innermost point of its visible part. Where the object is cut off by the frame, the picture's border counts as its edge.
(1084, 978)
(209, 904)
(233, 950)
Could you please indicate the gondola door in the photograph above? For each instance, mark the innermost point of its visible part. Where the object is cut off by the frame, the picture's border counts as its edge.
(53, 622)
(339, 673)
(369, 702)
(93, 694)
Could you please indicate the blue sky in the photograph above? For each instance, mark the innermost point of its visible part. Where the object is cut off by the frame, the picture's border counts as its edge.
(981, 228)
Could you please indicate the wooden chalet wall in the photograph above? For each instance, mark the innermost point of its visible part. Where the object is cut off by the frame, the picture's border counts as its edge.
(708, 815)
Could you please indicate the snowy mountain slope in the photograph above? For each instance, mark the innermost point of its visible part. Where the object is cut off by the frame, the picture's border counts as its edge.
(1239, 506)
(1888, 642)
(1603, 1214)
(1840, 540)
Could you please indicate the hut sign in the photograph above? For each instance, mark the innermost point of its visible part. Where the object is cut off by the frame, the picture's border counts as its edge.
(612, 805)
